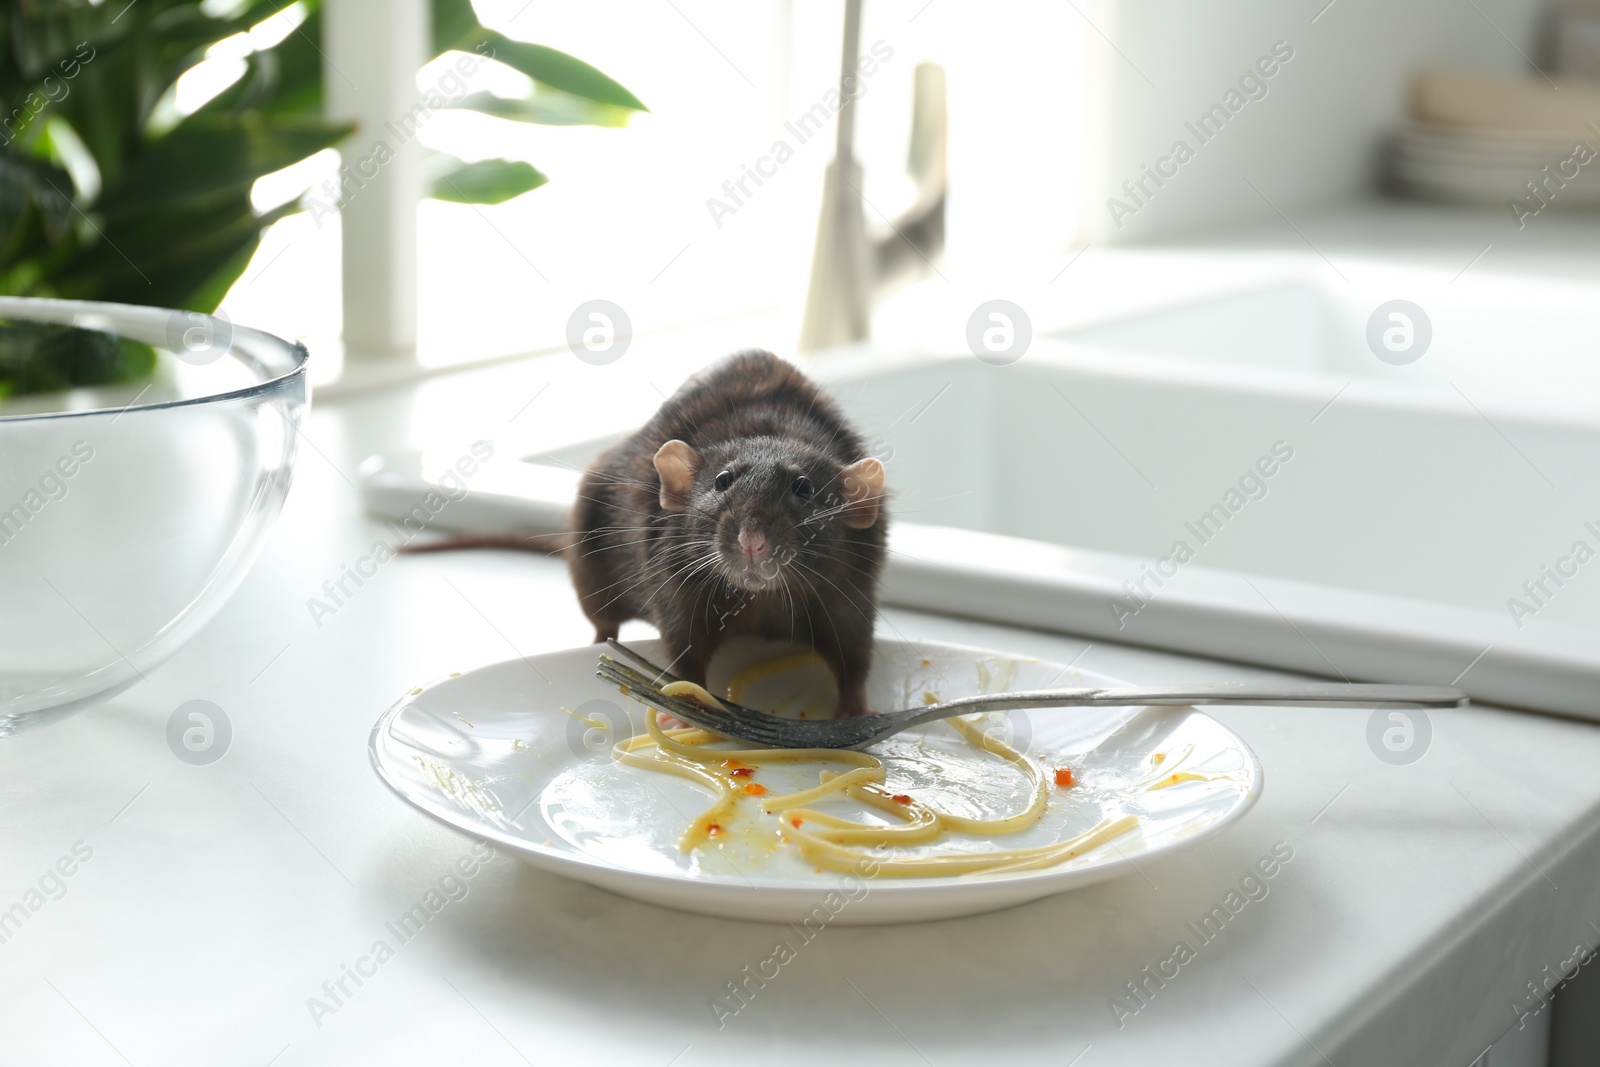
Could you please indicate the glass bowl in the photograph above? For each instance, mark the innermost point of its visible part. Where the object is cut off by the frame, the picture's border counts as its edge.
(130, 512)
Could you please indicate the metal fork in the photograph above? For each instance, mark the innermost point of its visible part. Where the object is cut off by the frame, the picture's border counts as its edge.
(643, 682)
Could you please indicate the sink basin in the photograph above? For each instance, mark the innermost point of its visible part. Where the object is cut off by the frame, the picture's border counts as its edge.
(1238, 477)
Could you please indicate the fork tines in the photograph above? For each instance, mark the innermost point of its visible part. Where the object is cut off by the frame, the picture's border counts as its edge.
(660, 674)
(640, 687)
(737, 723)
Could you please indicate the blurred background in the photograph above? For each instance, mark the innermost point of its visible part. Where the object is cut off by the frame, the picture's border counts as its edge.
(1052, 110)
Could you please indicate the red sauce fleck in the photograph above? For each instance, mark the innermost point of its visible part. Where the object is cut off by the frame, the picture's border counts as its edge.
(755, 789)
(796, 821)
(735, 765)
(901, 798)
(713, 830)
(742, 772)
(1064, 778)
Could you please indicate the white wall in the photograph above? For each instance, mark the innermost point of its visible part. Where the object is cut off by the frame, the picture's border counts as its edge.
(1312, 139)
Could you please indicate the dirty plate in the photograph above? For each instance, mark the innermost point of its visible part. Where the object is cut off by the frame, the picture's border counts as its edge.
(519, 753)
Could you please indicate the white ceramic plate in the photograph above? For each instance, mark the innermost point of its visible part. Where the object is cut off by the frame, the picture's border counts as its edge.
(493, 753)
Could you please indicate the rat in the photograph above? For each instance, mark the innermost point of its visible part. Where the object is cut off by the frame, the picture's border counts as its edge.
(746, 505)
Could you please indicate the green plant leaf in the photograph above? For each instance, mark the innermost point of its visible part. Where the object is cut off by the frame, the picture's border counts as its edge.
(169, 255)
(285, 79)
(211, 156)
(219, 268)
(555, 69)
(36, 357)
(488, 181)
(36, 187)
(455, 25)
(547, 107)
(171, 223)
(116, 65)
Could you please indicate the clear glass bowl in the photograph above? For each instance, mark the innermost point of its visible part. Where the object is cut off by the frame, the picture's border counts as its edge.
(129, 513)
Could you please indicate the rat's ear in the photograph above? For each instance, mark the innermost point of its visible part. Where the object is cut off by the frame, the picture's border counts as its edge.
(677, 464)
(863, 492)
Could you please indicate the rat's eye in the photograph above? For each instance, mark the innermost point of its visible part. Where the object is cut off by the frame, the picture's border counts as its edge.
(802, 488)
(724, 480)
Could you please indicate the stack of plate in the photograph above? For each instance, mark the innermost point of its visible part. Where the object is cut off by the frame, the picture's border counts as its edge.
(1478, 165)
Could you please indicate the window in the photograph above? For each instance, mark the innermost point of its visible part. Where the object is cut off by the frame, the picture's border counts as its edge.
(652, 216)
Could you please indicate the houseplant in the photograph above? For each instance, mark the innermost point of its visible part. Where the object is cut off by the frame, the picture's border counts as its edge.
(108, 192)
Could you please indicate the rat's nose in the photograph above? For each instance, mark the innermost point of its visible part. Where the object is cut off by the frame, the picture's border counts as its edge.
(752, 543)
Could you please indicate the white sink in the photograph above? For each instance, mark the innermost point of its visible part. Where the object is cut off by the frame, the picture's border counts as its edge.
(1404, 507)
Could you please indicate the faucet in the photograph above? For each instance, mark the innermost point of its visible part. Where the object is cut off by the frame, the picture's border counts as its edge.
(849, 266)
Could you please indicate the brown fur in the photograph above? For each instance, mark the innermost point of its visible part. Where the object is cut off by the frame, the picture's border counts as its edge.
(673, 558)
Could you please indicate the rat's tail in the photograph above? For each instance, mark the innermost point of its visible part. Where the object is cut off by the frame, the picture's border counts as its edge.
(552, 543)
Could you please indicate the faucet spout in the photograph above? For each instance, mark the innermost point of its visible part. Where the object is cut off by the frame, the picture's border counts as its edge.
(849, 266)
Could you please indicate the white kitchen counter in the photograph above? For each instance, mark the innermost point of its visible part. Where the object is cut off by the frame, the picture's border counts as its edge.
(217, 899)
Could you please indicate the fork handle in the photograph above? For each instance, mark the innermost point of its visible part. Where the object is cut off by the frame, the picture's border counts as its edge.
(1274, 694)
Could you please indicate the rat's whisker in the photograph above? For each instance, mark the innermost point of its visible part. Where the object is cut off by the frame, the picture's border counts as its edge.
(672, 573)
